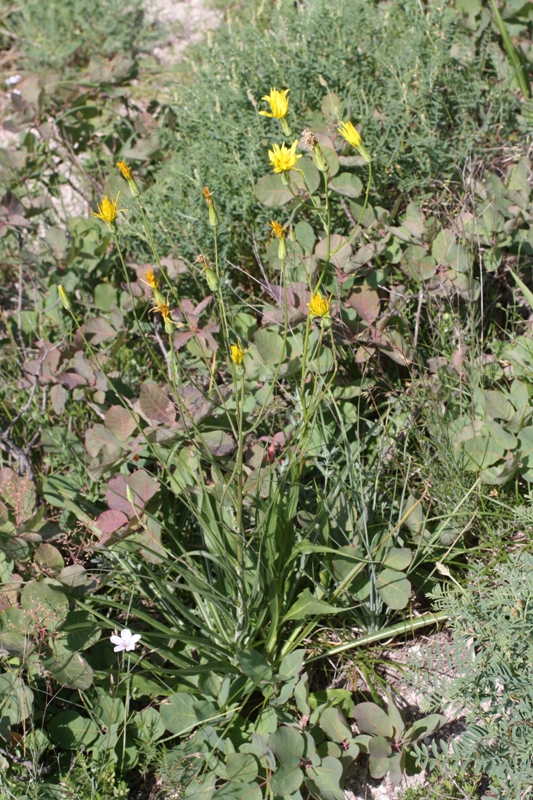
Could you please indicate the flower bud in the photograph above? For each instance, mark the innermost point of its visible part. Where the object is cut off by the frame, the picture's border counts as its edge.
(320, 159)
(286, 127)
(213, 216)
(212, 280)
(282, 249)
(63, 296)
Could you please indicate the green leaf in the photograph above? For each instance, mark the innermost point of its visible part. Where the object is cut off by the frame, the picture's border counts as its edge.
(16, 699)
(327, 778)
(346, 184)
(15, 627)
(241, 767)
(269, 346)
(378, 767)
(425, 727)
(239, 791)
(334, 725)
(178, 714)
(49, 606)
(49, 558)
(292, 664)
(287, 744)
(68, 668)
(393, 588)
(379, 747)
(497, 406)
(201, 790)
(148, 725)
(254, 666)
(395, 769)
(72, 731)
(271, 191)
(398, 558)
(105, 296)
(307, 605)
(287, 779)
(372, 719)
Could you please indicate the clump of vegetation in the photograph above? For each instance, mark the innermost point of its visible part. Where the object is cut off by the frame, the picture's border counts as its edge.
(265, 379)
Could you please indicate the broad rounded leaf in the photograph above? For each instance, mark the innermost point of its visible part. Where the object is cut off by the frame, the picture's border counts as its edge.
(288, 745)
(219, 443)
(156, 404)
(49, 558)
(271, 191)
(339, 247)
(393, 588)
(287, 779)
(372, 719)
(398, 558)
(120, 422)
(241, 767)
(178, 714)
(16, 699)
(111, 520)
(346, 184)
(70, 730)
(379, 747)
(67, 667)
(48, 606)
(327, 778)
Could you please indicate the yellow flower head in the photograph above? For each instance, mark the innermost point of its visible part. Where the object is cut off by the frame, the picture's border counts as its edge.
(319, 306)
(107, 210)
(126, 171)
(208, 196)
(237, 354)
(351, 135)
(283, 158)
(279, 104)
(277, 229)
(151, 280)
(163, 309)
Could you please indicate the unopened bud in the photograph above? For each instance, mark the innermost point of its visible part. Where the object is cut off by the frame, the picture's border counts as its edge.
(320, 159)
(213, 216)
(211, 278)
(282, 249)
(286, 127)
(63, 296)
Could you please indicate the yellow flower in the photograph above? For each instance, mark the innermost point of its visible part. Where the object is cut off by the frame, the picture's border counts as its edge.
(277, 229)
(319, 306)
(353, 137)
(107, 210)
(151, 280)
(279, 104)
(282, 158)
(237, 354)
(126, 171)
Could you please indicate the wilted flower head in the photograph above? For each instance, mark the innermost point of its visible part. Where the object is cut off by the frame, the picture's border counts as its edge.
(125, 641)
(201, 259)
(126, 171)
(277, 229)
(237, 354)
(309, 138)
(279, 104)
(283, 158)
(107, 210)
(208, 196)
(319, 306)
(163, 309)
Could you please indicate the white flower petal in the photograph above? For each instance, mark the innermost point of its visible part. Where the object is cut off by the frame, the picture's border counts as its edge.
(115, 639)
(135, 638)
(119, 648)
(126, 635)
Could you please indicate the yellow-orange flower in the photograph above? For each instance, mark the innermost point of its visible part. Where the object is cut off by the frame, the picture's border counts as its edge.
(279, 104)
(163, 309)
(319, 306)
(126, 171)
(237, 354)
(208, 196)
(284, 158)
(151, 280)
(107, 210)
(277, 229)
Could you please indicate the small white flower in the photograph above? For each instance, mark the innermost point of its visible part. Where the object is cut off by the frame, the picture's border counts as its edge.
(126, 641)
(12, 80)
